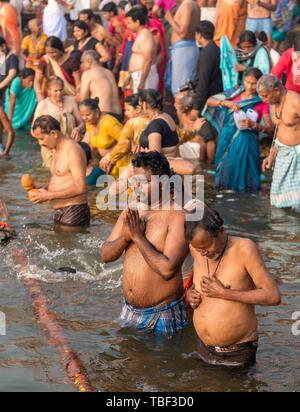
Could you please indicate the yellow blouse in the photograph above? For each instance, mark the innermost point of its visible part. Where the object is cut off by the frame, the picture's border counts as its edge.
(109, 132)
(34, 50)
(131, 133)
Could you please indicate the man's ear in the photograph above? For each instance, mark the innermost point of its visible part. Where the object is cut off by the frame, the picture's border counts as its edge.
(54, 133)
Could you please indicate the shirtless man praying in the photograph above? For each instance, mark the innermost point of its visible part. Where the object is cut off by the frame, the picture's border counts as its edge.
(67, 188)
(230, 278)
(154, 246)
(142, 63)
(285, 104)
(96, 81)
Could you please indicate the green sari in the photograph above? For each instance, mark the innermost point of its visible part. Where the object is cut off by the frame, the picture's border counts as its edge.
(25, 104)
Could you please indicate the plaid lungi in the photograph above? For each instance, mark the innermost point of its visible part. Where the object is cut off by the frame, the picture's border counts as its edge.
(285, 188)
(166, 319)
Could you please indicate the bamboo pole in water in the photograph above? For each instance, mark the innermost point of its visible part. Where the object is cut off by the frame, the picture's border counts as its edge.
(72, 364)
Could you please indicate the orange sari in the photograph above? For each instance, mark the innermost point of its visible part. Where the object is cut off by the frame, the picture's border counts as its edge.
(230, 21)
(10, 27)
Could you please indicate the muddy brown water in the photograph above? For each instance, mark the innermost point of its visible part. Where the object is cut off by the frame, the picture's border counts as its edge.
(88, 303)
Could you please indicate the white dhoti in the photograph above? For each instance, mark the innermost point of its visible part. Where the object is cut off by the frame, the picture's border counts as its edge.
(54, 22)
(190, 150)
(151, 81)
(208, 13)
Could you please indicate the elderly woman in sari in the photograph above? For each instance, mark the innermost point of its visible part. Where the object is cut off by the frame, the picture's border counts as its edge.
(33, 45)
(57, 62)
(64, 109)
(237, 120)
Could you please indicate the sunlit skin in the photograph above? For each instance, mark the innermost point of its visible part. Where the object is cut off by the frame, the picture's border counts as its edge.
(84, 17)
(131, 112)
(90, 116)
(56, 93)
(132, 25)
(208, 245)
(247, 47)
(45, 139)
(270, 96)
(80, 34)
(27, 83)
(53, 53)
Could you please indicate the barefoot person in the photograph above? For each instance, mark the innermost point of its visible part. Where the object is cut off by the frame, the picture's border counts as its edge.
(67, 188)
(184, 24)
(97, 82)
(142, 63)
(285, 188)
(230, 278)
(155, 248)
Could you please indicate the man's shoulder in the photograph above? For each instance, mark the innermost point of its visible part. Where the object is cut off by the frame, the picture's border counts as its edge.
(243, 245)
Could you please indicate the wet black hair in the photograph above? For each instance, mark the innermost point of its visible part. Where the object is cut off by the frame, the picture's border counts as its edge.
(3, 43)
(262, 36)
(206, 29)
(97, 19)
(122, 4)
(138, 13)
(46, 123)
(82, 26)
(254, 72)
(93, 104)
(210, 222)
(110, 7)
(249, 36)
(152, 97)
(133, 100)
(88, 12)
(26, 73)
(56, 43)
(154, 161)
(87, 150)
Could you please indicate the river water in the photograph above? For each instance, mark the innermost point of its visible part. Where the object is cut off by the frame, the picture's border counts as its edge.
(87, 303)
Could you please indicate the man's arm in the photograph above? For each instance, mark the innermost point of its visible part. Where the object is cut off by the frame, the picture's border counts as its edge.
(116, 243)
(77, 164)
(205, 67)
(84, 88)
(268, 6)
(147, 53)
(266, 292)
(181, 29)
(8, 79)
(167, 262)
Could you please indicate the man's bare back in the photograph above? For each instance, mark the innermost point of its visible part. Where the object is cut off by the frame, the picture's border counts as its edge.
(221, 322)
(287, 116)
(100, 82)
(187, 15)
(61, 177)
(144, 45)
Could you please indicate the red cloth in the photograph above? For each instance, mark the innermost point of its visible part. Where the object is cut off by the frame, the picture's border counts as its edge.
(284, 66)
(158, 31)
